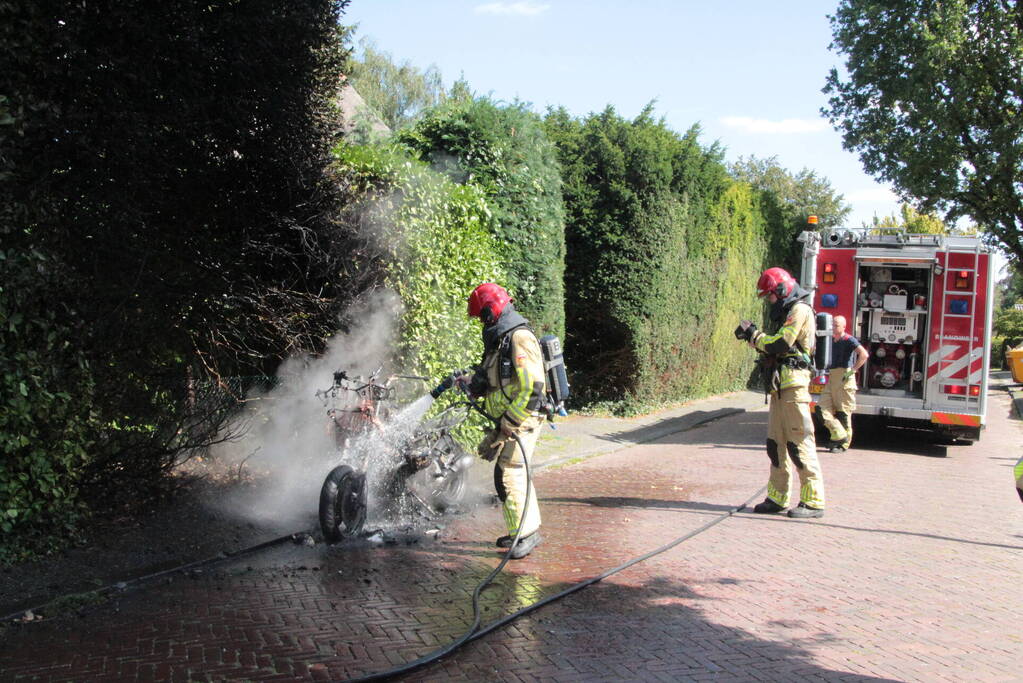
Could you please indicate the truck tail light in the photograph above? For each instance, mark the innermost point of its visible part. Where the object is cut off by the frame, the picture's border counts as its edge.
(961, 390)
(962, 279)
(830, 272)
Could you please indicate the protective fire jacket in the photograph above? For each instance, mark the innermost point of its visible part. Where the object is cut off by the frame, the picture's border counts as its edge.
(792, 345)
(515, 392)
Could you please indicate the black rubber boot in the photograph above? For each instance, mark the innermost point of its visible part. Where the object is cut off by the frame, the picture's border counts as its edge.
(525, 546)
(804, 511)
(504, 541)
(767, 507)
(836, 447)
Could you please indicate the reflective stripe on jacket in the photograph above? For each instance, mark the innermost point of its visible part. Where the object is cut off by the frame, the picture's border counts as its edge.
(799, 327)
(520, 396)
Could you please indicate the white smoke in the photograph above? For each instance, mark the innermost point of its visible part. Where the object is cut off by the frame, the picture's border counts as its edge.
(288, 446)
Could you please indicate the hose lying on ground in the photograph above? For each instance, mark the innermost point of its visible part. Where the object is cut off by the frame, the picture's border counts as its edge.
(475, 632)
(122, 585)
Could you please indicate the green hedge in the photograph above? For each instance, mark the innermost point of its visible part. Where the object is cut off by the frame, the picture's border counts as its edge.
(1000, 345)
(664, 250)
(46, 420)
(504, 150)
(437, 245)
(162, 200)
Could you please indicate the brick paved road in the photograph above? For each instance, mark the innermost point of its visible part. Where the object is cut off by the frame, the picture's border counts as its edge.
(913, 574)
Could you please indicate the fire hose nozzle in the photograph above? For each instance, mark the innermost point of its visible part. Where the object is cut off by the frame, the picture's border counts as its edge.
(441, 388)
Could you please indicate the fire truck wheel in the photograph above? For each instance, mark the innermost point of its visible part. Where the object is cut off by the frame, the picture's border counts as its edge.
(342, 504)
(865, 424)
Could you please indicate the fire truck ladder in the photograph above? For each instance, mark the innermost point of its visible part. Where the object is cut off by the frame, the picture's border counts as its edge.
(949, 273)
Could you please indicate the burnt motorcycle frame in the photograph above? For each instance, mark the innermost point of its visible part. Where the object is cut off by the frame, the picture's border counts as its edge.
(432, 467)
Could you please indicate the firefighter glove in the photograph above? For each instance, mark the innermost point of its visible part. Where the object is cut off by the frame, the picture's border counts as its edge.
(491, 445)
(745, 330)
(508, 428)
(478, 382)
(462, 379)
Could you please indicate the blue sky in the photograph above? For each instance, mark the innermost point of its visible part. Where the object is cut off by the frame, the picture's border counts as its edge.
(749, 72)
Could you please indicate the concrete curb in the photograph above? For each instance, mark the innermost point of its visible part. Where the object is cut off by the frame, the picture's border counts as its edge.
(1016, 393)
(1002, 379)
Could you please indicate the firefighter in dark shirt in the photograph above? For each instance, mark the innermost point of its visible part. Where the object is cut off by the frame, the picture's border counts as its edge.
(839, 398)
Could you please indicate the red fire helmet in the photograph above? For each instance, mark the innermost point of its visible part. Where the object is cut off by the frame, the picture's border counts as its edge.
(491, 296)
(777, 281)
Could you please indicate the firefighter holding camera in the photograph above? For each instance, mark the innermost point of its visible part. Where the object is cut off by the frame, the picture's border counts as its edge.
(789, 355)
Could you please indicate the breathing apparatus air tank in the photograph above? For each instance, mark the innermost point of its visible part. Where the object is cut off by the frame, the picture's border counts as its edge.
(557, 378)
(822, 351)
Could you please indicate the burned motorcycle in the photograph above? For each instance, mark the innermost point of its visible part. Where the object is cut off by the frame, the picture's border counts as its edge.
(423, 464)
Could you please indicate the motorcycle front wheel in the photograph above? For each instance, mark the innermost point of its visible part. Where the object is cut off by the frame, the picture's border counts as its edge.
(342, 504)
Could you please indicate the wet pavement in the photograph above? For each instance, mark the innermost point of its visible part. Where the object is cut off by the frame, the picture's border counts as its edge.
(912, 574)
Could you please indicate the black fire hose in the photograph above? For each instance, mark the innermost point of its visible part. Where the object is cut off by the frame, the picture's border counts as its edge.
(472, 633)
(474, 630)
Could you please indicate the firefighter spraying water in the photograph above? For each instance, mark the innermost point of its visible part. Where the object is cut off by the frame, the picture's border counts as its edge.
(520, 383)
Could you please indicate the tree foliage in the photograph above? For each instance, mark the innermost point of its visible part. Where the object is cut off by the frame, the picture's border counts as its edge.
(1009, 290)
(911, 221)
(434, 243)
(932, 103)
(663, 251)
(503, 150)
(804, 193)
(166, 216)
(398, 92)
(1009, 323)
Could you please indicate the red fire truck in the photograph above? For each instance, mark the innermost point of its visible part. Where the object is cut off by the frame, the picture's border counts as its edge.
(921, 306)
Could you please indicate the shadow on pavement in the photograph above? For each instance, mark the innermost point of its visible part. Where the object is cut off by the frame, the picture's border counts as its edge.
(644, 503)
(895, 439)
(894, 532)
(656, 631)
(345, 614)
(669, 426)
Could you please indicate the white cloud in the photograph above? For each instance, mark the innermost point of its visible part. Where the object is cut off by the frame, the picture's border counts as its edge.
(525, 9)
(750, 125)
(872, 194)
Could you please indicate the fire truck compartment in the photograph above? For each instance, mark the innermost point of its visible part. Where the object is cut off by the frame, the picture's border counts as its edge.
(921, 305)
(891, 322)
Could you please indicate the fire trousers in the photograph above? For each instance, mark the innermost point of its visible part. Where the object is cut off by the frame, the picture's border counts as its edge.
(790, 443)
(1017, 471)
(837, 404)
(510, 479)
